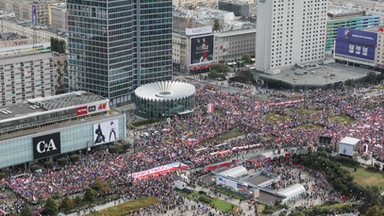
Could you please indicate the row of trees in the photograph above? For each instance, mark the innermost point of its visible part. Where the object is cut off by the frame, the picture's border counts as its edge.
(340, 179)
(98, 189)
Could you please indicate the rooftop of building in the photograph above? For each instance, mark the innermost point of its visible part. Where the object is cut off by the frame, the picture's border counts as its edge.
(110, 114)
(237, 2)
(61, 5)
(205, 16)
(374, 29)
(337, 12)
(28, 24)
(10, 36)
(65, 100)
(39, 105)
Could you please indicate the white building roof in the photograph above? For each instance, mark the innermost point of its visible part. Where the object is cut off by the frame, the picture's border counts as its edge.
(292, 192)
(165, 90)
(350, 141)
(235, 172)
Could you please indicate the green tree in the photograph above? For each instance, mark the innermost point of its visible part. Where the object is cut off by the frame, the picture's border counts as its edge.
(247, 58)
(371, 77)
(220, 68)
(26, 211)
(375, 211)
(90, 195)
(246, 74)
(100, 187)
(58, 45)
(67, 204)
(50, 208)
(216, 25)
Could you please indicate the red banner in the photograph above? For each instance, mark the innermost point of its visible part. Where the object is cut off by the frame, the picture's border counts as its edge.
(82, 110)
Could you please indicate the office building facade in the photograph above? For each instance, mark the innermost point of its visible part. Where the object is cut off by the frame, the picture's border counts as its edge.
(25, 72)
(118, 45)
(289, 32)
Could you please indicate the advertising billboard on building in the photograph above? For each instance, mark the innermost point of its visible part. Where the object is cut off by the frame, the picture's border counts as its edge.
(226, 182)
(198, 31)
(356, 44)
(47, 145)
(202, 50)
(357, 37)
(355, 50)
(34, 14)
(105, 132)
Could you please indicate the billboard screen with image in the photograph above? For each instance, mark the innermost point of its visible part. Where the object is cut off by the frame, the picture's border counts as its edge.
(360, 51)
(202, 49)
(105, 132)
(356, 36)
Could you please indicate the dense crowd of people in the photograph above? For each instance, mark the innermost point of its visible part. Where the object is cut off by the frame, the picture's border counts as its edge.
(302, 123)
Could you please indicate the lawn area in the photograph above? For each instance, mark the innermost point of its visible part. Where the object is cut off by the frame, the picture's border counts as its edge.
(219, 204)
(306, 111)
(275, 117)
(379, 87)
(126, 208)
(234, 132)
(218, 111)
(310, 126)
(229, 193)
(343, 119)
(366, 177)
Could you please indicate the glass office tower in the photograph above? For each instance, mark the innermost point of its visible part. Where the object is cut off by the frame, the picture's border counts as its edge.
(117, 45)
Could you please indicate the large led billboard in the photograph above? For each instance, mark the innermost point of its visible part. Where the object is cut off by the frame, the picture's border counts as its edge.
(104, 132)
(202, 49)
(355, 50)
(355, 43)
(357, 37)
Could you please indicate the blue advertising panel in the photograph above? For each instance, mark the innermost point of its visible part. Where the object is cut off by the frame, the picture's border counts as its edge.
(356, 36)
(356, 50)
(34, 15)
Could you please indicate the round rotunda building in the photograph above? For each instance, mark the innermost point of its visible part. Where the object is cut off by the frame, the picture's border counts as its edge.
(164, 99)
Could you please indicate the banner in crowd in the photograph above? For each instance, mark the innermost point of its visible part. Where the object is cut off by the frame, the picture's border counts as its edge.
(286, 102)
(159, 170)
(210, 108)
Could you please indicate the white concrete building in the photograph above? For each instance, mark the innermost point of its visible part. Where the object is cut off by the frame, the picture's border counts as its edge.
(26, 76)
(59, 16)
(289, 32)
(234, 39)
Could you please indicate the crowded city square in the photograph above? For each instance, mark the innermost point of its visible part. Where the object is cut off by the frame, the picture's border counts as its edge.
(195, 141)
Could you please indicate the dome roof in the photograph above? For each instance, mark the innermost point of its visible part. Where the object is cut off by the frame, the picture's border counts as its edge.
(165, 90)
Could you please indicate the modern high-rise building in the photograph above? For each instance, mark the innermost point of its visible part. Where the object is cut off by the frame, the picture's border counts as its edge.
(289, 32)
(118, 45)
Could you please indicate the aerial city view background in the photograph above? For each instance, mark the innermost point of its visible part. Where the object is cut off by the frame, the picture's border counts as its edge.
(191, 107)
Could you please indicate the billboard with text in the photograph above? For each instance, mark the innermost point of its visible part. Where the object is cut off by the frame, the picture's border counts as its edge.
(356, 44)
(202, 50)
(357, 36)
(46, 145)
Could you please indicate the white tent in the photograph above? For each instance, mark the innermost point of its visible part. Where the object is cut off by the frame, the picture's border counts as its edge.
(235, 172)
(293, 192)
(347, 146)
